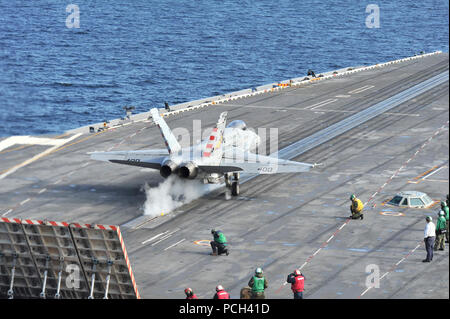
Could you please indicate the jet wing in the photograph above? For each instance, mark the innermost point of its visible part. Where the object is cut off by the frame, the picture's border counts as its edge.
(143, 158)
(235, 159)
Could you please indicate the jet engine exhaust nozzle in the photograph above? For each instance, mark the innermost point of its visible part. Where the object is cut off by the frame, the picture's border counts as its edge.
(167, 168)
(188, 170)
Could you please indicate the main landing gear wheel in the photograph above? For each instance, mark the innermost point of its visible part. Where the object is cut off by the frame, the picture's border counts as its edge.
(235, 188)
(232, 183)
(227, 180)
(235, 185)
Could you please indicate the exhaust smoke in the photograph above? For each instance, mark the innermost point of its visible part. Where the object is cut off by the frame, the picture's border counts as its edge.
(172, 193)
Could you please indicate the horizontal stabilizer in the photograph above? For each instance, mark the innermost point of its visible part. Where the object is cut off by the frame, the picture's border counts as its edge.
(124, 155)
(260, 164)
(219, 169)
(139, 164)
(141, 158)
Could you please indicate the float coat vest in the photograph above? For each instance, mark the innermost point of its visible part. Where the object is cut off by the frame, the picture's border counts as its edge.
(446, 210)
(299, 284)
(441, 223)
(223, 295)
(358, 205)
(221, 239)
(258, 284)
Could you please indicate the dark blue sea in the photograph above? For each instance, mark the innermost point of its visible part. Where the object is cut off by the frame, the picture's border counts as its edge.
(146, 52)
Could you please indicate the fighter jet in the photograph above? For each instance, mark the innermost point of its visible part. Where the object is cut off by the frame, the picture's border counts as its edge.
(221, 157)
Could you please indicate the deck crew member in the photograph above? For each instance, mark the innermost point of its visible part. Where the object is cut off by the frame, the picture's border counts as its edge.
(258, 283)
(429, 236)
(444, 207)
(190, 294)
(441, 229)
(219, 244)
(221, 293)
(356, 208)
(297, 281)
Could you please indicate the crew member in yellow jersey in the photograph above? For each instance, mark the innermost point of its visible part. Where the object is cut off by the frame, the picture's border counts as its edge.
(356, 208)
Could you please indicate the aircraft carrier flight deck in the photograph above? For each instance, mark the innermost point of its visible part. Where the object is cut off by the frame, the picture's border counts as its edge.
(278, 222)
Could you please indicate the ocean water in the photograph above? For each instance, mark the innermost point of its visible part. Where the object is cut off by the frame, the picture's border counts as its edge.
(146, 52)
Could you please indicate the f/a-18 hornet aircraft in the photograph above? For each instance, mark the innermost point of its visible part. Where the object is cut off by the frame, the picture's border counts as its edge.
(226, 153)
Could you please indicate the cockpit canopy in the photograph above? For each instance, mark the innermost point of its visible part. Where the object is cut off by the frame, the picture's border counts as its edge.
(239, 124)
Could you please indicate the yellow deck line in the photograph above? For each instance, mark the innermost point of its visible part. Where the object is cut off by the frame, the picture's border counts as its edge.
(425, 173)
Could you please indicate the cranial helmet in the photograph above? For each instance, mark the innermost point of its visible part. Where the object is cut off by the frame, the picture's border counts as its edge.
(352, 197)
(258, 270)
(219, 288)
(297, 272)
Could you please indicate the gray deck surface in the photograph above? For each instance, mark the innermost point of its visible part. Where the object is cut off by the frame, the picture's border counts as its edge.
(278, 222)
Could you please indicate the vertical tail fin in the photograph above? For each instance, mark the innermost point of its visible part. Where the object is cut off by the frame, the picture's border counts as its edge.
(171, 142)
(214, 142)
